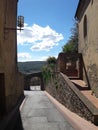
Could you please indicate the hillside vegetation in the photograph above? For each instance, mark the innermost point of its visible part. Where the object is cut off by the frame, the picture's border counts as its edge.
(30, 67)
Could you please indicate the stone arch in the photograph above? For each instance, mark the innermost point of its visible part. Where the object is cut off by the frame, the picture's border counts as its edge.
(28, 77)
(35, 81)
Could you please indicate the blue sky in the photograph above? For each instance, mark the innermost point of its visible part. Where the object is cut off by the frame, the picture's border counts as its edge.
(46, 29)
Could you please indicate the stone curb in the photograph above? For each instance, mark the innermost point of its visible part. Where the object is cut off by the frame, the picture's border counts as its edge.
(76, 121)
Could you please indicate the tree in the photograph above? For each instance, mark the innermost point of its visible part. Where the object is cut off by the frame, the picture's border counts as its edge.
(51, 60)
(72, 44)
(68, 48)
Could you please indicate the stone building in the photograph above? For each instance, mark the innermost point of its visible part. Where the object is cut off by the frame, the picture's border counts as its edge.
(87, 16)
(11, 81)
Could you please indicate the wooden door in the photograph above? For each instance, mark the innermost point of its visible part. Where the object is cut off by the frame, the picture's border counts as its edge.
(2, 95)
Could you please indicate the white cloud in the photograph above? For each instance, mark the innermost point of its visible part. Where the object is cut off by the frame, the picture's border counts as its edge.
(44, 58)
(41, 38)
(24, 57)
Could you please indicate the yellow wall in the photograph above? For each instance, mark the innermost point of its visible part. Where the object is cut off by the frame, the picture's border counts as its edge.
(8, 53)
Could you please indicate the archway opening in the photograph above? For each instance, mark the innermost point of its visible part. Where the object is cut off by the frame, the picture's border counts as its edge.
(35, 84)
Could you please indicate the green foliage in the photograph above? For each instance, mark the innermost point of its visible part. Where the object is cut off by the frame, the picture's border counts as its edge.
(68, 48)
(51, 63)
(48, 70)
(51, 60)
(72, 44)
(30, 67)
(57, 82)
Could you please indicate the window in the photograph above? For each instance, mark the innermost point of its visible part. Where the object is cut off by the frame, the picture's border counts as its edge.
(92, 2)
(85, 26)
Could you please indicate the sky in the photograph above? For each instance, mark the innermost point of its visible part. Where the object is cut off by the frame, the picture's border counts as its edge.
(47, 28)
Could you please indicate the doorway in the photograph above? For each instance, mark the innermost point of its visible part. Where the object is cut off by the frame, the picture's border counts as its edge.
(2, 95)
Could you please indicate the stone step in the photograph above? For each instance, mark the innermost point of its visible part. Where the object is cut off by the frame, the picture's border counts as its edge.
(80, 84)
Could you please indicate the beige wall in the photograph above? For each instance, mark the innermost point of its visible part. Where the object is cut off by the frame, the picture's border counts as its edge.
(8, 53)
(88, 46)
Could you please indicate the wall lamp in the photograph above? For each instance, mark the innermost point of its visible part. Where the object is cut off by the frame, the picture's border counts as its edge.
(20, 24)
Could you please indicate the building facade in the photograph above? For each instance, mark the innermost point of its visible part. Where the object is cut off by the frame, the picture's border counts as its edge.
(11, 81)
(87, 16)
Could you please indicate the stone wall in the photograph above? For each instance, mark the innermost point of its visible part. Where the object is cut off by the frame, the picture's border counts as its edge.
(67, 93)
(88, 45)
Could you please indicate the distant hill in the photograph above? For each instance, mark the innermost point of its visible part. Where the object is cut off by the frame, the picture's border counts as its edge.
(30, 67)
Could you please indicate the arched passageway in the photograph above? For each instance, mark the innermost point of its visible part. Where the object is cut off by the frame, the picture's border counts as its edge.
(29, 77)
(35, 83)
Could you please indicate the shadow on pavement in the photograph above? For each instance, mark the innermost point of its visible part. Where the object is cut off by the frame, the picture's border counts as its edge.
(18, 124)
(12, 121)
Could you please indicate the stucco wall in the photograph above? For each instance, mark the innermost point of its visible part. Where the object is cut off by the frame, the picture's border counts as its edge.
(88, 46)
(13, 80)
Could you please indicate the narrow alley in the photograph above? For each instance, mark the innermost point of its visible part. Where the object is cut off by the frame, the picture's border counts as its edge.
(39, 113)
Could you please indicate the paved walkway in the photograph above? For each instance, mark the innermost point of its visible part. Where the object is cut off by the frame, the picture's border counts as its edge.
(39, 113)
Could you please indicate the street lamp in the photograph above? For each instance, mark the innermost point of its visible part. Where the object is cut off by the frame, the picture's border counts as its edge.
(20, 24)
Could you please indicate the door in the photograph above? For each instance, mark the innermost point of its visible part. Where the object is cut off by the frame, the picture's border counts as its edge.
(2, 95)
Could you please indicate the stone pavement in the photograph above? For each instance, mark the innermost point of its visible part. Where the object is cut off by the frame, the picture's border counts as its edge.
(39, 113)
